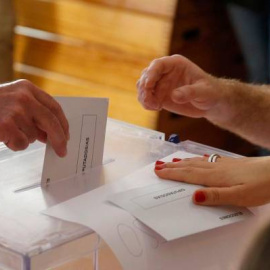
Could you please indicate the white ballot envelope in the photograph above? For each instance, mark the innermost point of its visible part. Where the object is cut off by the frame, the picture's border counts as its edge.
(167, 207)
(87, 119)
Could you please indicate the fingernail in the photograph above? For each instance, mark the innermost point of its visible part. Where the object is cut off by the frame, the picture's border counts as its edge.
(159, 162)
(199, 197)
(176, 159)
(62, 152)
(158, 168)
(206, 155)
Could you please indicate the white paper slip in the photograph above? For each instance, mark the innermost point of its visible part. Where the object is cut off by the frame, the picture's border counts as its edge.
(167, 208)
(87, 124)
(139, 247)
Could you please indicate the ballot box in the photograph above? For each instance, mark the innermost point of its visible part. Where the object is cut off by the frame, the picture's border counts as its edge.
(31, 240)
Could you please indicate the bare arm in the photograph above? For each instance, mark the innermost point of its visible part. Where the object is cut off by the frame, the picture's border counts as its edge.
(176, 84)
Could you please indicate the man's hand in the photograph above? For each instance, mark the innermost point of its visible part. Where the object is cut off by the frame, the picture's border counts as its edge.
(28, 114)
(176, 84)
(229, 181)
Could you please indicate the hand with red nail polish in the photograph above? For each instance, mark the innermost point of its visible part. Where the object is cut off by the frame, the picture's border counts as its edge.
(158, 168)
(230, 181)
(159, 162)
(199, 197)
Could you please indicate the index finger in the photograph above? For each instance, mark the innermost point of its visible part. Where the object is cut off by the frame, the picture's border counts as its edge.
(196, 175)
(154, 73)
(53, 106)
(49, 123)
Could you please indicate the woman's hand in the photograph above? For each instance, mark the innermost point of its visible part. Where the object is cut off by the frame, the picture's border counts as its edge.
(229, 181)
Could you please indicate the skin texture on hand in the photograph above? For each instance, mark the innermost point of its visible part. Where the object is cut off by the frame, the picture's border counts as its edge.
(176, 84)
(27, 114)
(229, 181)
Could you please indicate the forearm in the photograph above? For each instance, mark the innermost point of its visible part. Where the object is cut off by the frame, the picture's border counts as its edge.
(244, 109)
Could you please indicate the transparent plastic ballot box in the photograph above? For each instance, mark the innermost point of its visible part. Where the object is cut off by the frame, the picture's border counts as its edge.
(31, 240)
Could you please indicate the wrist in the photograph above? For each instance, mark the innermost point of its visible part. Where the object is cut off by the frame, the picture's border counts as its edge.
(229, 99)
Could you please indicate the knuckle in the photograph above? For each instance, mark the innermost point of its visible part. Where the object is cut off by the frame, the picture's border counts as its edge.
(6, 124)
(177, 57)
(215, 195)
(17, 112)
(156, 61)
(163, 58)
(24, 84)
(188, 169)
(220, 177)
(23, 96)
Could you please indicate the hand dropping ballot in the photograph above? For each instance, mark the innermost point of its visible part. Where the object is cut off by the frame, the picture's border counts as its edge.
(87, 123)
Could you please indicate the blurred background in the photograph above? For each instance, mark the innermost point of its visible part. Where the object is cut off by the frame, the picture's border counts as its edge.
(99, 48)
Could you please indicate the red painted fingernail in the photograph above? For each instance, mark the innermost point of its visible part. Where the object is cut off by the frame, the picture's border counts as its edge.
(206, 155)
(159, 162)
(158, 168)
(200, 197)
(176, 159)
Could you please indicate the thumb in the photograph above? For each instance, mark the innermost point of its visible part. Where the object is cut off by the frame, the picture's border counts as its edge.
(200, 95)
(219, 196)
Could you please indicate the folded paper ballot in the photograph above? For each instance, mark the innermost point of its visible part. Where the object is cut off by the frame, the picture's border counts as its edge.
(87, 123)
(167, 208)
(138, 246)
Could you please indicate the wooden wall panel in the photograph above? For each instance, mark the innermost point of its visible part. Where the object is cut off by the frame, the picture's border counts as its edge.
(131, 32)
(167, 8)
(95, 47)
(99, 64)
(123, 104)
(156, 7)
